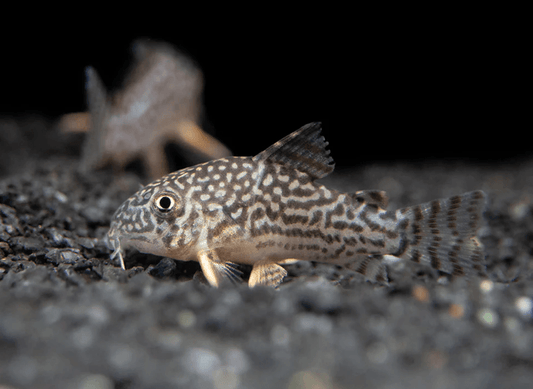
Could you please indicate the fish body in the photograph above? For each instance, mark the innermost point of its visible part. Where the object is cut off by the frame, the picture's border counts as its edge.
(160, 103)
(268, 210)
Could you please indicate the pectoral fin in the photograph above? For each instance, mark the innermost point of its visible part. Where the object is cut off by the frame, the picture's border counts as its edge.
(216, 270)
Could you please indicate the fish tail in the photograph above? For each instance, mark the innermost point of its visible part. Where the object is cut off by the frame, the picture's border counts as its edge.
(442, 234)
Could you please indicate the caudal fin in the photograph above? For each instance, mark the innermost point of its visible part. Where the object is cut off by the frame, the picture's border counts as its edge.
(442, 233)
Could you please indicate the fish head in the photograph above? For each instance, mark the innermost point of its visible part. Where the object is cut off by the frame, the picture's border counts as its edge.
(153, 221)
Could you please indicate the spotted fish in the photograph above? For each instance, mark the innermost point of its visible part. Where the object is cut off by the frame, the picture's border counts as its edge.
(269, 210)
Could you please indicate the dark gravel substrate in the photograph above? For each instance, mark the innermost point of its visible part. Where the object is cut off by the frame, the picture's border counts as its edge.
(70, 318)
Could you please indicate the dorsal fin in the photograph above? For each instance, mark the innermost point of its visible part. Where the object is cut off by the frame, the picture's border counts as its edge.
(303, 150)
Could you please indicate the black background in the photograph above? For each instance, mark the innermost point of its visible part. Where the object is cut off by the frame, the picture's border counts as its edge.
(386, 85)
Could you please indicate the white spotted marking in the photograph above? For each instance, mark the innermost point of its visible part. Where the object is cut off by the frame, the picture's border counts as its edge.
(246, 197)
(193, 189)
(241, 175)
(293, 185)
(230, 202)
(213, 206)
(268, 180)
(277, 190)
(210, 169)
(222, 167)
(205, 197)
(237, 213)
(220, 193)
(308, 186)
(234, 165)
(216, 176)
(283, 178)
(293, 211)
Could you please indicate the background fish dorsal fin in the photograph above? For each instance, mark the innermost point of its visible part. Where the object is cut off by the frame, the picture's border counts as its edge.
(96, 96)
(304, 150)
(97, 102)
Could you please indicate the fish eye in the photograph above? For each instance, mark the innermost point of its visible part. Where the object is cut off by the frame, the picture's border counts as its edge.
(165, 202)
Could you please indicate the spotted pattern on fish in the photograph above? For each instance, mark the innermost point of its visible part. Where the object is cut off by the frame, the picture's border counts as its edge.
(266, 209)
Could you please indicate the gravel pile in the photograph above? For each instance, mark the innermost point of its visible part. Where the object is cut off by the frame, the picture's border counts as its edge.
(71, 318)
